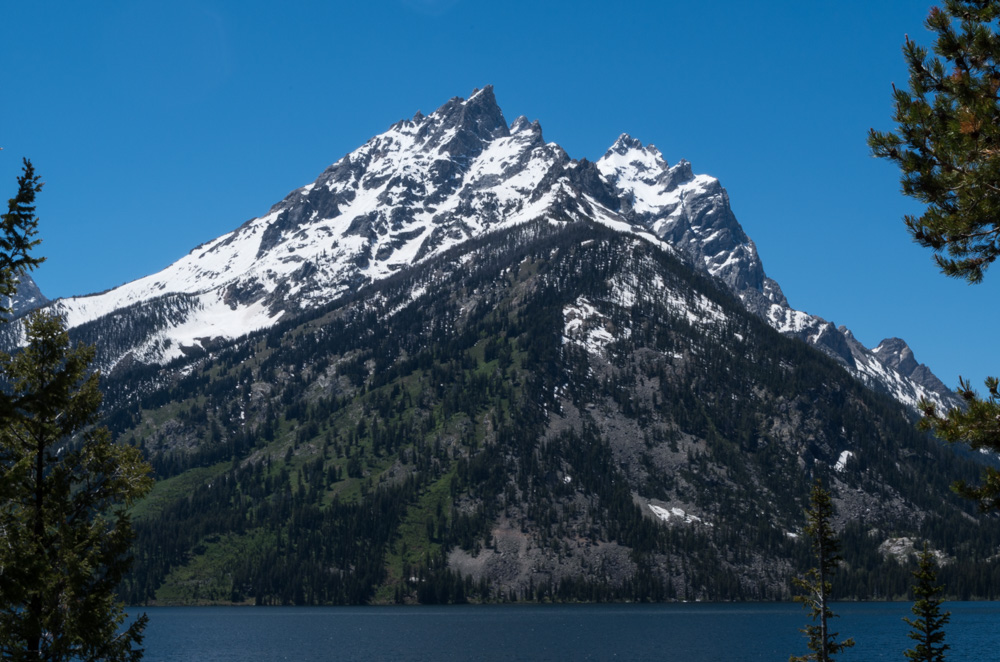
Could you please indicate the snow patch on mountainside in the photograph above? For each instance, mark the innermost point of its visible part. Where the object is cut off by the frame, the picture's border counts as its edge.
(586, 326)
(675, 513)
(902, 389)
(841, 464)
(700, 311)
(213, 319)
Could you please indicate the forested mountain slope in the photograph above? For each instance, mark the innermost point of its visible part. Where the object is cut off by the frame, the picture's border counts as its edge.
(555, 410)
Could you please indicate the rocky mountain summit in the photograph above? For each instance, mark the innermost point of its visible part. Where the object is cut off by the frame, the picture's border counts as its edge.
(896, 354)
(424, 186)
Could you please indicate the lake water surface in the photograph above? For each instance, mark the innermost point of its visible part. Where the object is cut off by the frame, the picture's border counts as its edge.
(672, 632)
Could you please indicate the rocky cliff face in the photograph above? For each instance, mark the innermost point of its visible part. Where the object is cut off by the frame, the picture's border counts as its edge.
(27, 298)
(894, 353)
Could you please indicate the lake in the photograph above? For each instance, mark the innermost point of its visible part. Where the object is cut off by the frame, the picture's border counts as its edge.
(670, 632)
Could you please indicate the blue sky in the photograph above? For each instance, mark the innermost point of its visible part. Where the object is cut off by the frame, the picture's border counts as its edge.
(158, 126)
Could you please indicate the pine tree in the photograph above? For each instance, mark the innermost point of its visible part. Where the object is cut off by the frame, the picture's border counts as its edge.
(17, 229)
(64, 486)
(65, 490)
(928, 626)
(947, 146)
(816, 584)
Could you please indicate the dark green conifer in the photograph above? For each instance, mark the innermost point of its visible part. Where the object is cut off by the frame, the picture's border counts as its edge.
(816, 585)
(928, 626)
(64, 485)
(65, 490)
(17, 230)
(947, 143)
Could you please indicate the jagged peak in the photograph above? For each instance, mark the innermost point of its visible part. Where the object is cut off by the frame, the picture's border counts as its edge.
(519, 124)
(417, 119)
(522, 125)
(481, 100)
(629, 159)
(626, 143)
(486, 91)
(892, 345)
(681, 172)
(478, 117)
(895, 353)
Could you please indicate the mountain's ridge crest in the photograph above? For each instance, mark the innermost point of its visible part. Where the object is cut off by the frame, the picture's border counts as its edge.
(435, 181)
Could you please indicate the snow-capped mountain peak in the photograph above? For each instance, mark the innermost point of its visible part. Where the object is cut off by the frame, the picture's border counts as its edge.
(628, 152)
(692, 213)
(522, 124)
(644, 173)
(428, 184)
(413, 191)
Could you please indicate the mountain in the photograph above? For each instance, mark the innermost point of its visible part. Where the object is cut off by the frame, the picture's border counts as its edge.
(461, 365)
(426, 185)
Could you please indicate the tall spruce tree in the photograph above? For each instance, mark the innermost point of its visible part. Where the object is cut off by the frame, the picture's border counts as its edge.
(947, 146)
(64, 487)
(928, 626)
(18, 228)
(816, 586)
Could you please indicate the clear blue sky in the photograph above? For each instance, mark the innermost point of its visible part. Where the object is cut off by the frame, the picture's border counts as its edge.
(161, 125)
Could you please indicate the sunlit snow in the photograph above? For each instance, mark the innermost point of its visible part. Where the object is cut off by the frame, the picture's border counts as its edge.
(841, 464)
(675, 513)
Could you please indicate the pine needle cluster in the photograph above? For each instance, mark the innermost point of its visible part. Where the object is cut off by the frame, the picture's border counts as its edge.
(947, 140)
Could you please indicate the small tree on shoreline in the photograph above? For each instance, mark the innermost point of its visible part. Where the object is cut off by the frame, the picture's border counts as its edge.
(928, 626)
(816, 585)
